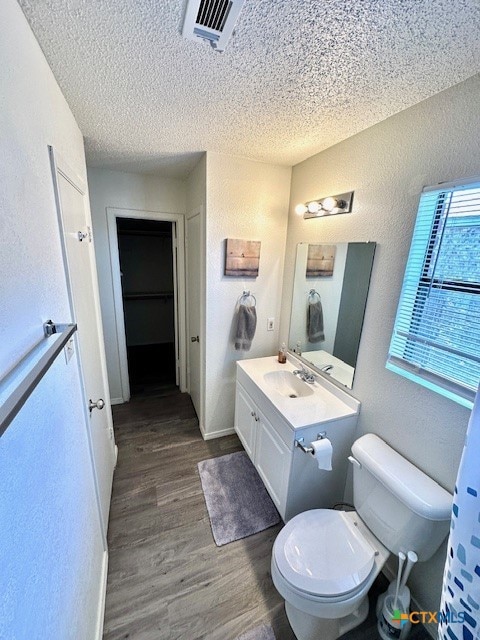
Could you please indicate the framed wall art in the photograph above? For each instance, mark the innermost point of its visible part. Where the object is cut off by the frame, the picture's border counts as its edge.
(242, 258)
(320, 260)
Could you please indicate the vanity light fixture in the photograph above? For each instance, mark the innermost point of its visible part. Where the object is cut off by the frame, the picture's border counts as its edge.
(328, 206)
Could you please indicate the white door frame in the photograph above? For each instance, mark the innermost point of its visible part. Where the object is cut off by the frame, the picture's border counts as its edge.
(112, 214)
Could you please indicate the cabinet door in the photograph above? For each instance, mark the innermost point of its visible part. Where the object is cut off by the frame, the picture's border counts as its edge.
(245, 421)
(272, 461)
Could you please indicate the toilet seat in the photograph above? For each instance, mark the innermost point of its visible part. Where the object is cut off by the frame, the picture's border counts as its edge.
(322, 553)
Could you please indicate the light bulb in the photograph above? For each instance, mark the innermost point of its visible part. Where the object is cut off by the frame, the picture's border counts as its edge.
(328, 204)
(313, 207)
(300, 209)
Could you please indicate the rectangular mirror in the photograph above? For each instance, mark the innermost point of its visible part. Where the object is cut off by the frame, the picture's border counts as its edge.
(330, 291)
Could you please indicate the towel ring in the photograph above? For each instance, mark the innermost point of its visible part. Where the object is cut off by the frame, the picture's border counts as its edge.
(313, 293)
(245, 295)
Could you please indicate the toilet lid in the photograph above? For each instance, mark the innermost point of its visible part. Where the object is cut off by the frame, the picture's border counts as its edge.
(321, 552)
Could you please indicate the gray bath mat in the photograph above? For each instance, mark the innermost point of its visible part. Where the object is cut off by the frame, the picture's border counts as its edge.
(263, 632)
(237, 502)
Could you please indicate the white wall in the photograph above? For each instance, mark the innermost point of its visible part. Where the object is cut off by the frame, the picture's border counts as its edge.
(123, 191)
(248, 200)
(387, 166)
(50, 538)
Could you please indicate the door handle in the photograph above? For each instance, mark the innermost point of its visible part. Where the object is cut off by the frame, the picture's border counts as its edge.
(99, 404)
(195, 339)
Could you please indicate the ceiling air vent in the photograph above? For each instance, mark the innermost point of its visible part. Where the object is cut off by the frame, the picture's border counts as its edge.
(211, 20)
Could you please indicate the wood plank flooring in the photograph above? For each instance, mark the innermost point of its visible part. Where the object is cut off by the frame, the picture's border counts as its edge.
(167, 579)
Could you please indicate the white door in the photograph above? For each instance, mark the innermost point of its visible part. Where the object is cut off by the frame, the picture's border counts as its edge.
(194, 301)
(79, 255)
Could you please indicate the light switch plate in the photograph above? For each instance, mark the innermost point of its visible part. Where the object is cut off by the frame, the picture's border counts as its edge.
(270, 324)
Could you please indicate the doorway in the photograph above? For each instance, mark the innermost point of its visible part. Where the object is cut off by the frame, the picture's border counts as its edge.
(147, 273)
(147, 259)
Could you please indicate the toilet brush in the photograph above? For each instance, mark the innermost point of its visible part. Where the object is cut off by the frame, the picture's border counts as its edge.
(401, 559)
(412, 558)
(391, 625)
(394, 600)
(393, 587)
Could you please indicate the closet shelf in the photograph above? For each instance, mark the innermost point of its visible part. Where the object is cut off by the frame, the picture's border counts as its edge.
(148, 296)
(146, 233)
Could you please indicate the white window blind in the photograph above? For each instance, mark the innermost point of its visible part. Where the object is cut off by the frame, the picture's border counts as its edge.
(436, 337)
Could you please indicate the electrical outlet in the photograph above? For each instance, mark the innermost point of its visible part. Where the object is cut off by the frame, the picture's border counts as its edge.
(270, 324)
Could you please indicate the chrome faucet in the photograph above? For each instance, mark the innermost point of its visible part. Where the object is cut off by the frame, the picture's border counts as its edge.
(327, 368)
(304, 375)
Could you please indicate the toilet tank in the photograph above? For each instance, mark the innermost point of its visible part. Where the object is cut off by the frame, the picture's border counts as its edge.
(401, 505)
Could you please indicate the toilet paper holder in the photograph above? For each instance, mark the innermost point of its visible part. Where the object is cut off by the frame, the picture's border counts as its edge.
(300, 442)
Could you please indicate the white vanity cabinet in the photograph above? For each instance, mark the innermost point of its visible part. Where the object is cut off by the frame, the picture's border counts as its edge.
(268, 430)
(270, 455)
(245, 419)
(272, 460)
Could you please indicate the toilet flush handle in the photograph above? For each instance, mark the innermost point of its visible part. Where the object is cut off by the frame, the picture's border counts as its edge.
(354, 461)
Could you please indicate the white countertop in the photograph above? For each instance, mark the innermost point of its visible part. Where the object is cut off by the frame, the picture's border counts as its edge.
(323, 405)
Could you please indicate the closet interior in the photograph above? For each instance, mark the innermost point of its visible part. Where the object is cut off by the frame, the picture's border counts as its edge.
(147, 273)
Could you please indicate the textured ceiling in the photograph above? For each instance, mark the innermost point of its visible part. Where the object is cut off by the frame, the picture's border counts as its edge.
(296, 77)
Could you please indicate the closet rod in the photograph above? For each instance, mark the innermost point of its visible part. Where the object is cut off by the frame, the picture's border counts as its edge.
(17, 386)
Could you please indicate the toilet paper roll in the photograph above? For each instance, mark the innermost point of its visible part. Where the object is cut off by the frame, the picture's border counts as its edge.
(322, 452)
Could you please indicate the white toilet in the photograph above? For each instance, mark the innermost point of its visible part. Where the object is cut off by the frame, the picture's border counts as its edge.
(324, 561)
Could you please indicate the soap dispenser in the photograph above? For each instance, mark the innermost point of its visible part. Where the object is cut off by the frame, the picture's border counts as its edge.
(282, 354)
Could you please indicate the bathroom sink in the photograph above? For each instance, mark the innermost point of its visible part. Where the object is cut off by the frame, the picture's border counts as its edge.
(299, 403)
(287, 384)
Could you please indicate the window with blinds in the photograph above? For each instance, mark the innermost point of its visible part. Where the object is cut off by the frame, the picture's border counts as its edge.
(436, 337)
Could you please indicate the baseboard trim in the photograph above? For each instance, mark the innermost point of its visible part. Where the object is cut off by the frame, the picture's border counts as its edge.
(218, 434)
(116, 401)
(102, 597)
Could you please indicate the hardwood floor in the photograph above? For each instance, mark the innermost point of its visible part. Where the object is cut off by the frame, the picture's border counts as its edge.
(167, 579)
